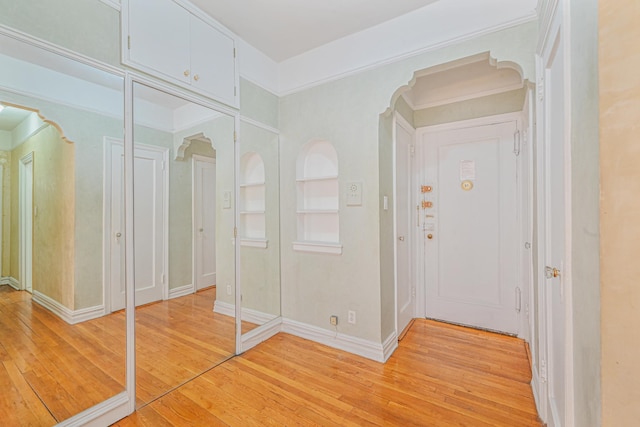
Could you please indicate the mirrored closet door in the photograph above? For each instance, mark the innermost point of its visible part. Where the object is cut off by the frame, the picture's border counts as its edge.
(184, 218)
(62, 341)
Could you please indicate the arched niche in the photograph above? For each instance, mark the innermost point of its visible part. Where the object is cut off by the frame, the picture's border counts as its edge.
(318, 198)
(252, 199)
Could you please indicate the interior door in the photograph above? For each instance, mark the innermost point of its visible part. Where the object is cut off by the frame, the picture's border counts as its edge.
(469, 225)
(204, 197)
(405, 289)
(555, 232)
(148, 222)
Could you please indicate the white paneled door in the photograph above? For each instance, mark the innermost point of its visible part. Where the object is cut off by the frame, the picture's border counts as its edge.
(149, 238)
(204, 201)
(468, 225)
(405, 288)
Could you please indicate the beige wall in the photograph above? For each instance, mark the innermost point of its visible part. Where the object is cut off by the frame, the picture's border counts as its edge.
(54, 216)
(619, 62)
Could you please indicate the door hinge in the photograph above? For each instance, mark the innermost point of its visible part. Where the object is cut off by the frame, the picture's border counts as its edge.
(412, 150)
(234, 52)
(235, 136)
(235, 91)
(518, 300)
(163, 279)
(129, 42)
(235, 231)
(164, 165)
(516, 143)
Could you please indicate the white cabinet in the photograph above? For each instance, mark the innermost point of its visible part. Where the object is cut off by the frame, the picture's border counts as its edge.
(162, 38)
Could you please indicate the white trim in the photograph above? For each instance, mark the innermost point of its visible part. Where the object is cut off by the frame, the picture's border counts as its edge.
(482, 121)
(68, 315)
(386, 61)
(24, 257)
(102, 414)
(389, 346)
(261, 333)
(1, 214)
(10, 281)
(181, 291)
(194, 232)
(115, 4)
(318, 247)
(361, 347)
(260, 125)
(466, 97)
(248, 314)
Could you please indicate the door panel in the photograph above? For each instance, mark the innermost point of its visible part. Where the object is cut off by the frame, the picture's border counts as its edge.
(148, 226)
(471, 257)
(205, 212)
(405, 295)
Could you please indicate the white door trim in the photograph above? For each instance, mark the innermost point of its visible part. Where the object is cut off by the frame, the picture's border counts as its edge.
(398, 120)
(559, 27)
(109, 142)
(25, 220)
(194, 236)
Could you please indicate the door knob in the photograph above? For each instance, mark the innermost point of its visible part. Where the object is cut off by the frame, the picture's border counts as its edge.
(196, 77)
(551, 272)
(186, 73)
(201, 230)
(401, 238)
(429, 236)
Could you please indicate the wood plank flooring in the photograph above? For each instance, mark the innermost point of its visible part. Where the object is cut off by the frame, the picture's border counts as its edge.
(50, 370)
(441, 375)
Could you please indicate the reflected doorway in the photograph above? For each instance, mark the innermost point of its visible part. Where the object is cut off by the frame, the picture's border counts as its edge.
(204, 201)
(25, 169)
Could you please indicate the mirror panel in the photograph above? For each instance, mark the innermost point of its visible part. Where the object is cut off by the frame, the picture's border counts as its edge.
(259, 226)
(184, 253)
(62, 344)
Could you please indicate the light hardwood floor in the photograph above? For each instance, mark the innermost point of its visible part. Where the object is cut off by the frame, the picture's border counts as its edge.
(441, 375)
(51, 370)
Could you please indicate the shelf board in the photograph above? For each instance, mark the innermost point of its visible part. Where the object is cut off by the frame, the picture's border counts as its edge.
(252, 184)
(252, 212)
(317, 178)
(317, 211)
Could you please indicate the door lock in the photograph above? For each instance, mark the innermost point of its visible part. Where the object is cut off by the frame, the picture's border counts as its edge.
(551, 272)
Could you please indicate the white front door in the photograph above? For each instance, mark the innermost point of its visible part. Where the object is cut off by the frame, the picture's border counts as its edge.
(204, 202)
(468, 225)
(555, 234)
(405, 289)
(149, 199)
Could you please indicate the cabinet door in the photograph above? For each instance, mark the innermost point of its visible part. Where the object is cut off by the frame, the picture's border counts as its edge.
(212, 62)
(159, 37)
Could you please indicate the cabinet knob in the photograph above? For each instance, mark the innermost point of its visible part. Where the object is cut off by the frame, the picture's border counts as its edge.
(196, 77)
(186, 73)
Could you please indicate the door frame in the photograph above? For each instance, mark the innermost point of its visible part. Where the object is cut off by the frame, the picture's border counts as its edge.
(25, 219)
(518, 117)
(108, 144)
(557, 32)
(398, 120)
(197, 158)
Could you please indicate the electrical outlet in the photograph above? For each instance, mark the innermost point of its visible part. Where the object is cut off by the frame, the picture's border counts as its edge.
(228, 289)
(351, 317)
(333, 320)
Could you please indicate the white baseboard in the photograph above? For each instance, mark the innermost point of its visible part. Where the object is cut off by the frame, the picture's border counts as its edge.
(181, 291)
(8, 280)
(361, 347)
(389, 345)
(261, 333)
(70, 316)
(248, 314)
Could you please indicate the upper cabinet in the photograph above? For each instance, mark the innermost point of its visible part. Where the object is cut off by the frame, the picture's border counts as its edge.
(162, 38)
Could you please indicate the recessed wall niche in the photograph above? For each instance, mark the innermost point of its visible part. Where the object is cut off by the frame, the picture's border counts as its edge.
(318, 199)
(252, 200)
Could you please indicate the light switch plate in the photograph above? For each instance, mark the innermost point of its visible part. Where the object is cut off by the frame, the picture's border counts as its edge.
(226, 200)
(354, 194)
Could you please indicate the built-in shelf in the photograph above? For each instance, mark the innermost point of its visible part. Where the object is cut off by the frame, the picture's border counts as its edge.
(252, 201)
(317, 199)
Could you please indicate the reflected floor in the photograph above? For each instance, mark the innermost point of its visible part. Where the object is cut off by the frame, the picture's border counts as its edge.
(52, 370)
(178, 339)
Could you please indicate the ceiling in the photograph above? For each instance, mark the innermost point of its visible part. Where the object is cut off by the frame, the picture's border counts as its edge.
(11, 117)
(285, 28)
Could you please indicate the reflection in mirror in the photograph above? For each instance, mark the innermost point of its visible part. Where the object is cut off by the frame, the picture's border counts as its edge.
(184, 253)
(62, 348)
(259, 226)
